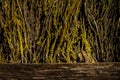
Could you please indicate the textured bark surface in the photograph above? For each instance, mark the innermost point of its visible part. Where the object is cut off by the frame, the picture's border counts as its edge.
(81, 71)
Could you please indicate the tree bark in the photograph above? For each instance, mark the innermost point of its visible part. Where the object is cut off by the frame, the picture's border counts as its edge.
(81, 71)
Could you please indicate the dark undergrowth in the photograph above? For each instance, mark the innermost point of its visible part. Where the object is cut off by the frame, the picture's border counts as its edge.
(59, 31)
